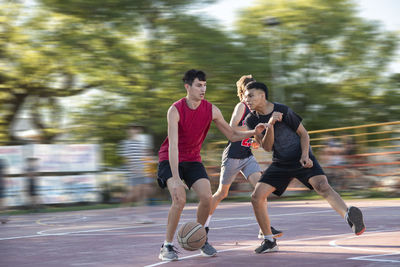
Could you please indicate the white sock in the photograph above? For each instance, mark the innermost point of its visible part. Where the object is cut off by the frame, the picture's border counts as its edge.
(269, 237)
(208, 221)
(168, 243)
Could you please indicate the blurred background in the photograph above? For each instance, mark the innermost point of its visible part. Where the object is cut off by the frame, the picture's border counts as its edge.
(74, 74)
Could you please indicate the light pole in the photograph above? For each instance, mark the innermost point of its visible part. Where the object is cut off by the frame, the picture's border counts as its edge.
(276, 64)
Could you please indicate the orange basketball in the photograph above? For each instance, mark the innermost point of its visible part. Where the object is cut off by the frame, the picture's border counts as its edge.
(192, 236)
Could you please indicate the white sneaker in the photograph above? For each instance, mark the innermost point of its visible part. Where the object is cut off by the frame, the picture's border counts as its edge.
(168, 253)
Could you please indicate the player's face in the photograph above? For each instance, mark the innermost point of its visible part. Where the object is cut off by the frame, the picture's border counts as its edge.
(254, 98)
(197, 90)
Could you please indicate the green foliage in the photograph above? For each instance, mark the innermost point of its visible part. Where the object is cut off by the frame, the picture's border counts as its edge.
(130, 57)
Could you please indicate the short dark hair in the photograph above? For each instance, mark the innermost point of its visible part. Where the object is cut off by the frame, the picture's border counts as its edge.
(258, 86)
(192, 74)
(135, 125)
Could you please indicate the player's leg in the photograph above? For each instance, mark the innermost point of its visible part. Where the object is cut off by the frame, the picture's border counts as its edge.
(230, 168)
(253, 173)
(258, 200)
(218, 196)
(178, 197)
(352, 215)
(197, 179)
(202, 188)
(322, 187)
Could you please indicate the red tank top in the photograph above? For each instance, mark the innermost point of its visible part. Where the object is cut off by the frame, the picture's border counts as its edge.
(193, 126)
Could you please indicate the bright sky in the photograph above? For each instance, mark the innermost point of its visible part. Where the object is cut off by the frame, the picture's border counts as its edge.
(385, 11)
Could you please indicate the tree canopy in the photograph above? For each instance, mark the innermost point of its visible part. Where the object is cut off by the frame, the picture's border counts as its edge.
(321, 59)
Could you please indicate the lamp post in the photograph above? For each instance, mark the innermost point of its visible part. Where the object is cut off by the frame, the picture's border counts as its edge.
(276, 65)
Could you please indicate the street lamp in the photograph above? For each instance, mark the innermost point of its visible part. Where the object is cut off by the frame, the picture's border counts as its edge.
(279, 91)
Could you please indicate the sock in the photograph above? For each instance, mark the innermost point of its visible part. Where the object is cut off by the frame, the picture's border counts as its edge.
(167, 243)
(269, 237)
(208, 221)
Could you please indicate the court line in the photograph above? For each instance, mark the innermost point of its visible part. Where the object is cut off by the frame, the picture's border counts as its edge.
(387, 252)
(250, 246)
(44, 232)
(364, 258)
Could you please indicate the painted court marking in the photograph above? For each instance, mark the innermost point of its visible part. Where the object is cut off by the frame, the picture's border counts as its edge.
(374, 257)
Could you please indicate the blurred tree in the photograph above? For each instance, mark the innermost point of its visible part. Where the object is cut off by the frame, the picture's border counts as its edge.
(133, 54)
(333, 63)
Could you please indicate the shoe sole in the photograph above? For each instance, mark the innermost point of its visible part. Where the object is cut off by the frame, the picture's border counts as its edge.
(206, 255)
(275, 236)
(274, 249)
(166, 259)
(356, 218)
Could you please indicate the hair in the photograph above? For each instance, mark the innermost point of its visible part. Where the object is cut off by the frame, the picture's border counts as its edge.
(135, 126)
(192, 74)
(258, 86)
(241, 85)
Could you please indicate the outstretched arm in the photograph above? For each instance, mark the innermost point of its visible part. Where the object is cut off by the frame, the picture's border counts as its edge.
(232, 134)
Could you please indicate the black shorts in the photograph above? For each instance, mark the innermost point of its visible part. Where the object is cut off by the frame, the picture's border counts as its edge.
(189, 172)
(279, 175)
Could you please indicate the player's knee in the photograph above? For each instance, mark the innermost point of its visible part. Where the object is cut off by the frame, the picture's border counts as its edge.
(179, 202)
(221, 194)
(322, 187)
(256, 199)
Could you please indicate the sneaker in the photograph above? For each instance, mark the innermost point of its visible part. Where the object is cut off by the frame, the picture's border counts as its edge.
(267, 246)
(207, 250)
(168, 253)
(275, 233)
(355, 219)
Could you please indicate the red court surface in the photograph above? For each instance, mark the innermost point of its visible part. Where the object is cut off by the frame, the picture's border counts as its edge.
(314, 235)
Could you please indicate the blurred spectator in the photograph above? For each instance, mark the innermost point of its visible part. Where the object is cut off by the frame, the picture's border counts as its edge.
(334, 161)
(350, 149)
(136, 150)
(31, 172)
(3, 218)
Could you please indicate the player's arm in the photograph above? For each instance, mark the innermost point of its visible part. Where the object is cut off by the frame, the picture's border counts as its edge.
(173, 152)
(237, 115)
(232, 134)
(267, 141)
(305, 146)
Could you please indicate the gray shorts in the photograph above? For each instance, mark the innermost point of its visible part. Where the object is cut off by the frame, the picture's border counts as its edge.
(230, 168)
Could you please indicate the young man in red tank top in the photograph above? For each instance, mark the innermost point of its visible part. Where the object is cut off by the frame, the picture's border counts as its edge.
(189, 120)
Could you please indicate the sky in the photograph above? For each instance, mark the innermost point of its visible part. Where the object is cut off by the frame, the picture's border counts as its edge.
(385, 11)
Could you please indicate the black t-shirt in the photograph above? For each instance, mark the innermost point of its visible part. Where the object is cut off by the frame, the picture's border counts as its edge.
(240, 149)
(287, 147)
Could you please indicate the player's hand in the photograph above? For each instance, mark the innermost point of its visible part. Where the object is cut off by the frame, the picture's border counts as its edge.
(306, 162)
(176, 183)
(276, 116)
(259, 128)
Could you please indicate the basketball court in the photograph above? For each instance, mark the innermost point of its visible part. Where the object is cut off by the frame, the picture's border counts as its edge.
(314, 235)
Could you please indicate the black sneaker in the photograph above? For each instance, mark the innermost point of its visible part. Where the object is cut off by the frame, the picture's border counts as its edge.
(275, 233)
(355, 220)
(267, 246)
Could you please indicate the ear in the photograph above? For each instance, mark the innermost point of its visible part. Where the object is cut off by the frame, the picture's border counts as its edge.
(186, 86)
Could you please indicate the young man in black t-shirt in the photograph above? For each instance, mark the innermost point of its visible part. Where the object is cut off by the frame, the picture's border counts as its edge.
(292, 158)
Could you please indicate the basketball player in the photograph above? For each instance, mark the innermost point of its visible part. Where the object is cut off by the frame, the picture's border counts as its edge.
(189, 120)
(237, 156)
(292, 157)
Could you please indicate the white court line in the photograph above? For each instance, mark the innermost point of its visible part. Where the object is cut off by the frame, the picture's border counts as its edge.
(250, 246)
(44, 233)
(369, 257)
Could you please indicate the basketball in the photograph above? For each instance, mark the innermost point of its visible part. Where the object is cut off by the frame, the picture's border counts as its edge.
(192, 236)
